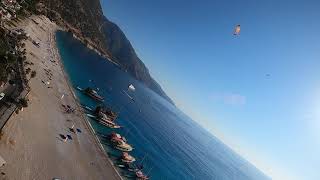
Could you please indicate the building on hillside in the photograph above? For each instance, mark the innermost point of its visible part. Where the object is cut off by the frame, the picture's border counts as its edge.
(9, 3)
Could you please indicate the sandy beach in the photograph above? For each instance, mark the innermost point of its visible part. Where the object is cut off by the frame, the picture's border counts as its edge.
(31, 142)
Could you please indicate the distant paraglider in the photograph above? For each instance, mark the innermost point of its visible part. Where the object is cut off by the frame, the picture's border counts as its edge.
(237, 30)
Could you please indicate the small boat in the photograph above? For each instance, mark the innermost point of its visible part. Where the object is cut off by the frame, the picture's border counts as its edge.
(91, 116)
(105, 113)
(129, 166)
(131, 87)
(79, 88)
(106, 117)
(115, 137)
(93, 94)
(109, 124)
(87, 108)
(127, 158)
(122, 146)
(121, 165)
(120, 142)
(141, 176)
(135, 168)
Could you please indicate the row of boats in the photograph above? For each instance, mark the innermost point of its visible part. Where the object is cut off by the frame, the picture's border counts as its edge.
(106, 117)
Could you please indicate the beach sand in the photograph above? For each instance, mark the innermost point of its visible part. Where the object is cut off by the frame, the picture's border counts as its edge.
(31, 144)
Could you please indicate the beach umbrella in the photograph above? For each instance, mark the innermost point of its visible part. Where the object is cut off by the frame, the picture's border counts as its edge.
(237, 30)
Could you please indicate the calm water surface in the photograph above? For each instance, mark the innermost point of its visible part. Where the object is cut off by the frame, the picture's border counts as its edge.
(171, 144)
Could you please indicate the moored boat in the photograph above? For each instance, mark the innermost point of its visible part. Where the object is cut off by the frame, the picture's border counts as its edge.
(90, 115)
(141, 176)
(122, 146)
(87, 108)
(105, 122)
(127, 158)
(79, 88)
(115, 137)
(106, 117)
(93, 94)
(131, 88)
(120, 142)
(105, 113)
(109, 124)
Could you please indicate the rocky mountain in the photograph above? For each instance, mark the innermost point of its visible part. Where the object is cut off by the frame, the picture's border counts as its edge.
(85, 19)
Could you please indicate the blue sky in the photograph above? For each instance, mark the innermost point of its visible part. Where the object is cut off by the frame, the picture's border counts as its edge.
(258, 92)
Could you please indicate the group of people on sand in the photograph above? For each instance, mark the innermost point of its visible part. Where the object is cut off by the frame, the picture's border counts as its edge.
(67, 137)
(68, 109)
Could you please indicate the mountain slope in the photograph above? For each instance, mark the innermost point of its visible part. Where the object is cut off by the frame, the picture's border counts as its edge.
(85, 19)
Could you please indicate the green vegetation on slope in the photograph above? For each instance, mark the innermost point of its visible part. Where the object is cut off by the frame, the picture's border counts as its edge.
(87, 17)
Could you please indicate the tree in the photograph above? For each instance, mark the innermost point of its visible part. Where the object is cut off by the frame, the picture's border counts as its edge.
(24, 52)
(11, 58)
(33, 74)
(28, 70)
(23, 102)
(3, 73)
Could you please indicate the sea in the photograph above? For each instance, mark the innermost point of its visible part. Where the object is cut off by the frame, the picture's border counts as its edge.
(169, 144)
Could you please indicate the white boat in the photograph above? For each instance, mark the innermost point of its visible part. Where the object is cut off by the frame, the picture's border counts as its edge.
(127, 158)
(115, 137)
(109, 124)
(124, 147)
(79, 88)
(107, 121)
(88, 108)
(90, 115)
(131, 87)
(2, 96)
(120, 142)
(93, 94)
(141, 176)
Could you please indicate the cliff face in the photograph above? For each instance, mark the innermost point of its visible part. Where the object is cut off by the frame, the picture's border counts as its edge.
(123, 53)
(85, 18)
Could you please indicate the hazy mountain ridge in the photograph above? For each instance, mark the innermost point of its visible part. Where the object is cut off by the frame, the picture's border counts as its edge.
(85, 19)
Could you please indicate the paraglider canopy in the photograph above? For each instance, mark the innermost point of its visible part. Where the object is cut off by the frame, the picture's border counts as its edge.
(237, 30)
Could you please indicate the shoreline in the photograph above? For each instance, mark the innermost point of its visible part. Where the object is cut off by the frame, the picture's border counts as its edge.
(84, 40)
(30, 143)
(85, 119)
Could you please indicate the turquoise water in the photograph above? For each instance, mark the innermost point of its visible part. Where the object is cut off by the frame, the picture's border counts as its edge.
(171, 145)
